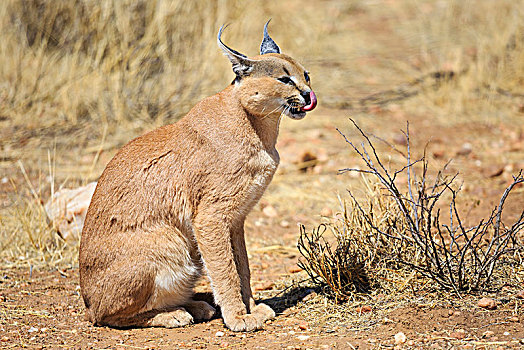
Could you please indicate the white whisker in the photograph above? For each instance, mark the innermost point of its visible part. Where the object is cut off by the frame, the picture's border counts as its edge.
(264, 117)
(280, 116)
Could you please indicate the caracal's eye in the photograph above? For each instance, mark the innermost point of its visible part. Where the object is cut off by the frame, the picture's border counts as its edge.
(306, 76)
(286, 80)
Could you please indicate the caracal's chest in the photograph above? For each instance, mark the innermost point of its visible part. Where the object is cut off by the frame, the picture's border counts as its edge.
(259, 169)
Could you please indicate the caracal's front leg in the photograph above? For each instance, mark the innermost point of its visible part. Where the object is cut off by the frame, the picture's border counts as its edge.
(242, 263)
(214, 241)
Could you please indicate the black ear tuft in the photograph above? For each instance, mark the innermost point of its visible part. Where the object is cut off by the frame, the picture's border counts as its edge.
(268, 45)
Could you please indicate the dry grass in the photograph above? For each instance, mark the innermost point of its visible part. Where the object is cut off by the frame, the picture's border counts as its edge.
(80, 78)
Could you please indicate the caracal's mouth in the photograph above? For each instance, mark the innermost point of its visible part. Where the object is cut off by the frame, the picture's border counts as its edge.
(295, 110)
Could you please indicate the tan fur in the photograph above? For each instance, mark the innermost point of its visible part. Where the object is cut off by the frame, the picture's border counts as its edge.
(173, 202)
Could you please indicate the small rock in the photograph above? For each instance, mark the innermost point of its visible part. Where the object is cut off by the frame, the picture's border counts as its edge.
(303, 325)
(439, 153)
(270, 211)
(307, 161)
(326, 212)
(520, 295)
(219, 334)
(386, 320)
(495, 171)
(294, 269)
(375, 109)
(265, 286)
(363, 309)
(33, 329)
(67, 210)
(487, 303)
(224, 344)
(458, 334)
(505, 333)
(488, 334)
(465, 149)
(509, 168)
(4, 339)
(514, 319)
(285, 224)
(400, 338)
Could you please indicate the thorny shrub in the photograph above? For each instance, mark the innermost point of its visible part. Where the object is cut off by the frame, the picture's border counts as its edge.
(395, 238)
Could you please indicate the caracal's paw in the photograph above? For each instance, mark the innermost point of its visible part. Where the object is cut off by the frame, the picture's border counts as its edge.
(172, 319)
(264, 310)
(250, 322)
(200, 310)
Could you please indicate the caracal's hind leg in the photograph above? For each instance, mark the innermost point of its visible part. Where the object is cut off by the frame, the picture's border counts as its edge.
(150, 285)
(200, 310)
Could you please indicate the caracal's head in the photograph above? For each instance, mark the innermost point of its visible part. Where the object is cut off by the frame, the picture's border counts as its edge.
(270, 84)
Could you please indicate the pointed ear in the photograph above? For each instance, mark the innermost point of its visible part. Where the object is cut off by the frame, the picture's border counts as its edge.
(242, 66)
(268, 45)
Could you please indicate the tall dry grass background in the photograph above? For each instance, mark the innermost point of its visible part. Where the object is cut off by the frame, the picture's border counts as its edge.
(79, 78)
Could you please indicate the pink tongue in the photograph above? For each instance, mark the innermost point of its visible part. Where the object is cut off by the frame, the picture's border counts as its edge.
(313, 103)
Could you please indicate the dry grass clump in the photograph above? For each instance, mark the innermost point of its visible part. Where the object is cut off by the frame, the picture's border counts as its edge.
(27, 239)
(398, 240)
(338, 265)
(30, 241)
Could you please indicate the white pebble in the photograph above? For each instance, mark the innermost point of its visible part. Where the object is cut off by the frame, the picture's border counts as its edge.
(219, 334)
(400, 338)
(303, 337)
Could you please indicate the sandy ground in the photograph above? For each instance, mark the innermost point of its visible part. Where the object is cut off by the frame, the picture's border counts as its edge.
(40, 308)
